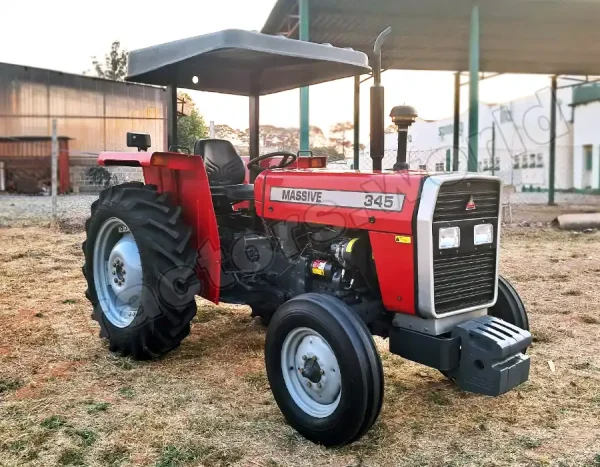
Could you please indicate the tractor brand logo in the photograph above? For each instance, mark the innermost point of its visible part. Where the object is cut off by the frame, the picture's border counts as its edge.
(339, 198)
(471, 204)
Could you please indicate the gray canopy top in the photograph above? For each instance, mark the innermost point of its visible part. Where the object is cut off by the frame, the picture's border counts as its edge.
(243, 63)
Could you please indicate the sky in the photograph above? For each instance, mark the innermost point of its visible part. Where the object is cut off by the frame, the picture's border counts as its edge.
(63, 35)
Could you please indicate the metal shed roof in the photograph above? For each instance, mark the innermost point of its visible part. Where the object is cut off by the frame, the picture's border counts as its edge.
(243, 63)
(517, 36)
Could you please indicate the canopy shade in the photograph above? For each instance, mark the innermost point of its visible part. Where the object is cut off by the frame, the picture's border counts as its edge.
(243, 63)
(517, 36)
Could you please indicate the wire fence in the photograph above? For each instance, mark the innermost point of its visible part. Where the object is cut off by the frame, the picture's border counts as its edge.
(527, 174)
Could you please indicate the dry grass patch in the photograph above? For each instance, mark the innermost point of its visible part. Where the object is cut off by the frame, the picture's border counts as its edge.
(66, 400)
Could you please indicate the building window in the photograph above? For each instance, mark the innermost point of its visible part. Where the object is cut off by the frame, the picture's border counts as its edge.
(486, 165)
(587, 152)
(524, 163)
(540, 161)
(497, 165)
(516, 162)
(422, 167)
(532, 161)
(439, 167)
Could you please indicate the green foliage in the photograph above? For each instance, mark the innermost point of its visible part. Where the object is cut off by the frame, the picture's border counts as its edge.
(53, 422)
(329, 151)
(95, 407)
(9, 384)
(87, 437)
(71, 456)
(190, 127)
(115, 63)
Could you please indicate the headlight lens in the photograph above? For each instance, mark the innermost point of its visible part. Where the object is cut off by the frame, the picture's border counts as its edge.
(449, 238)
(484, 234)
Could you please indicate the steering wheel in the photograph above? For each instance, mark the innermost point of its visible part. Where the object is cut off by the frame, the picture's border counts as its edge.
(288, 159)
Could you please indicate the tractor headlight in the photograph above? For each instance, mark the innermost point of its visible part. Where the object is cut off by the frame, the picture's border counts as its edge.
(449, 238)
(484, 234)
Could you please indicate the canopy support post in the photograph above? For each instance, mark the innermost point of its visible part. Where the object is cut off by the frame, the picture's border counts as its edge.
(456, 129)
(356, 163)
(254, 130)
(474, 90)
(304, 35)
(552, 142)
(171, 116)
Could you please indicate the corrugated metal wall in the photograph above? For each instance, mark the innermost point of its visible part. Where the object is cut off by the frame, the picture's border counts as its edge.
(95, 113)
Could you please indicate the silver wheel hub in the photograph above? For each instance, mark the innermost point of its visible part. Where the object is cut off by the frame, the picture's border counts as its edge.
(311, 372)
(117, 272)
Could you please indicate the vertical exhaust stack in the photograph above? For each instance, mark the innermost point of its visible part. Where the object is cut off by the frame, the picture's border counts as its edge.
(377, 103)
(403, 117)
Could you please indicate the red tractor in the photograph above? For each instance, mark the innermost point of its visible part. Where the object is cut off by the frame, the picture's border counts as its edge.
(327, 258)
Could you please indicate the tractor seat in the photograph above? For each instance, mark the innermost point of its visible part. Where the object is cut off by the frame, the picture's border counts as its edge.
(225, 169)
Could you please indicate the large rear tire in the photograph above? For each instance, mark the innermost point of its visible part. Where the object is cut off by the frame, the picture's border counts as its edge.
(324, 369)
(140, 270)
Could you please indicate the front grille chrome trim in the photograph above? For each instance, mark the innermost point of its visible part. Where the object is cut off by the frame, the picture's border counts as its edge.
(425, 277)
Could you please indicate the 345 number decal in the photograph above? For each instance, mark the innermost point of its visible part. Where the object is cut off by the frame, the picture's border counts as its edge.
(380, 201)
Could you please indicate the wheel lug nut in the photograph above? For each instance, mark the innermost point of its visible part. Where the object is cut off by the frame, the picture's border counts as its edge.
(304, 357)
(123, 271)
(114, 272)
(309, 384)
(116, 280)
(319, 385)
(322, 372)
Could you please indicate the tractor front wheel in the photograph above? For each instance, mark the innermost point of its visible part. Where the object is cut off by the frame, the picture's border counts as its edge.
(509, 306)
(139, 267)
(324, 369)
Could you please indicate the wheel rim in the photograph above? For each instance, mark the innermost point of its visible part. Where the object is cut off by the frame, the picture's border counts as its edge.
(311, 372)
(117, 272)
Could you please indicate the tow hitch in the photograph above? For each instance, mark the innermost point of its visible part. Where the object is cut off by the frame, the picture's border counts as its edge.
(484, 355)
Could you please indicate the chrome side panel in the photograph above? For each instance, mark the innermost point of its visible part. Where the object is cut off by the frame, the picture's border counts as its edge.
(429, 195)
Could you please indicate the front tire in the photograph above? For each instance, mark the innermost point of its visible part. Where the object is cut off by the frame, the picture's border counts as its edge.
(509, 306)
(324, 369)
(139, 267)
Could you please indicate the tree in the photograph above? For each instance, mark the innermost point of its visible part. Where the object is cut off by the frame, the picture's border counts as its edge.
(391, 129)
(190, 127)
(339, 139)
(329, 151)
(115, 63)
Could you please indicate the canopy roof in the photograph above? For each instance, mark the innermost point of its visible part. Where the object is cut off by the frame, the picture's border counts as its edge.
(516, 36)
(243, 62)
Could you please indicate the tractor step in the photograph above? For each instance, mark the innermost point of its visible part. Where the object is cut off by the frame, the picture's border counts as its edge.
(484, 355)
(492, 358)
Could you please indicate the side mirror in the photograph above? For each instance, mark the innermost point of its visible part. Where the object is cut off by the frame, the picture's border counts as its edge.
(141, 141)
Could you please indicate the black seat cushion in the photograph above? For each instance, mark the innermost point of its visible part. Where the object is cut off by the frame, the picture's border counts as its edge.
(223, 164)
(242, 192)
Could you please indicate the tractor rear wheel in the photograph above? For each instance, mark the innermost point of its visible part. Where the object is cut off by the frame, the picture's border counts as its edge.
(324, 369)
(139, 267)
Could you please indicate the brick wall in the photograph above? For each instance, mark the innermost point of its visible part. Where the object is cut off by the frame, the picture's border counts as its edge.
(88, 177)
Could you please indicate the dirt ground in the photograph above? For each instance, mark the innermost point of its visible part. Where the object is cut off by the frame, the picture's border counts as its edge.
(65, 400)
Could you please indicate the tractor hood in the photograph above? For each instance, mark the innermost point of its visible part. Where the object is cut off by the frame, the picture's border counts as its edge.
(243, 63)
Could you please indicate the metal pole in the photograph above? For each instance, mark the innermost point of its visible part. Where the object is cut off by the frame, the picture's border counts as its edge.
(552, 143)
(493, 148)
(356, 122)
(212, 129)
(474, 90)
(171, 116)
(456, 129)
(54, 169)
(2, 177)
(304, 35)
(254, 131)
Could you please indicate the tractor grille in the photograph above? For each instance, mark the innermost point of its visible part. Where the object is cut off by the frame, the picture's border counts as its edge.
(464, 280)
(454, 196)
(465, 277)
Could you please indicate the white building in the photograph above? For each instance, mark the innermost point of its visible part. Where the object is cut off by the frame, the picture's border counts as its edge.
(519, 152)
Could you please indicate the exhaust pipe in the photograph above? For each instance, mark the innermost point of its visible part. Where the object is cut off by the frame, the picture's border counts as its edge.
(377, 103)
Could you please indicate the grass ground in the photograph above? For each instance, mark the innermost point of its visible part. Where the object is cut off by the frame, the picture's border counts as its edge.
(65, 400)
